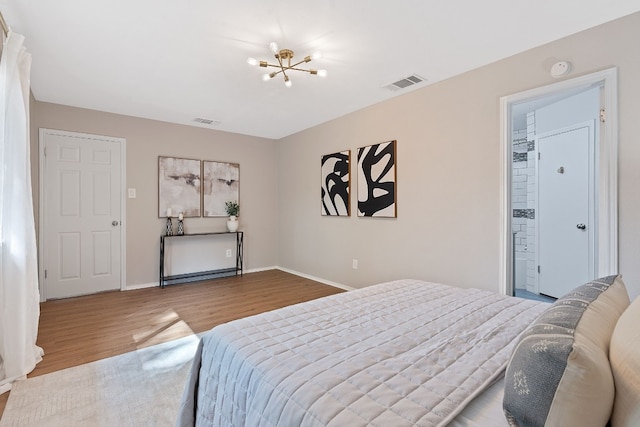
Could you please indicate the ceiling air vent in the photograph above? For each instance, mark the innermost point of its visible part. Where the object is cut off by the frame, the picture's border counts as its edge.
(207, 121)
(406, 82)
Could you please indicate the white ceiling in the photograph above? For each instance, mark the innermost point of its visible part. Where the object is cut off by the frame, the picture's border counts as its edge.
(175, 60)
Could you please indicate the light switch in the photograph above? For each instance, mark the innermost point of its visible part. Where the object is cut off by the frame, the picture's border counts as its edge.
(132, 193)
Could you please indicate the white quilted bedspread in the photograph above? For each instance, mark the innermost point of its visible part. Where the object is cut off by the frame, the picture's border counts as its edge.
(401, 353)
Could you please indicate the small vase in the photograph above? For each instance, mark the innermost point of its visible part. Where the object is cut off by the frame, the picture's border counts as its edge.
(168, 229)
(232, 224)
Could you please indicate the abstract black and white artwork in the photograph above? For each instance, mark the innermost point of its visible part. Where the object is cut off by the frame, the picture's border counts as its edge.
(335, 185)
(377, 180)
(221, 185)
(179, 185)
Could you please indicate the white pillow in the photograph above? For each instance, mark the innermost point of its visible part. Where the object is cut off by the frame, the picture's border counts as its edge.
(624, 356)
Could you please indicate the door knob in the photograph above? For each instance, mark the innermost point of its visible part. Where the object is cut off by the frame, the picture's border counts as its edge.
(114, 223)
(581, 227)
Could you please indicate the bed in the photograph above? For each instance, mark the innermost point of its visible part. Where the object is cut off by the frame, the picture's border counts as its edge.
(400, 353)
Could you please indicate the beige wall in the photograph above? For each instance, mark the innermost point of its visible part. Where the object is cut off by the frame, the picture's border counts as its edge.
(146, 140)
(448, 159)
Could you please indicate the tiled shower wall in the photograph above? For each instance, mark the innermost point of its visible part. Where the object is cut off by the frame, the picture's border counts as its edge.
(523, 199)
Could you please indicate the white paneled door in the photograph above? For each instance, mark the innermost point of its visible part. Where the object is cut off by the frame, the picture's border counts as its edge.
(81, 213)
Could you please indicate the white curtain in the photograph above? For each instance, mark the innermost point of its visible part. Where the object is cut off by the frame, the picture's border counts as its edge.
(19, 295)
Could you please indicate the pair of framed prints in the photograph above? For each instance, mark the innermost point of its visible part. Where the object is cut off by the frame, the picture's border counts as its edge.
(196, 187)
(376, 175)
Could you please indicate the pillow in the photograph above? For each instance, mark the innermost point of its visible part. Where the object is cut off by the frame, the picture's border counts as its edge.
(559, 373)
(624, 356)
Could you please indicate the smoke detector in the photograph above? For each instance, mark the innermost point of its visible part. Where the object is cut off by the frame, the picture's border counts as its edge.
(560, 68)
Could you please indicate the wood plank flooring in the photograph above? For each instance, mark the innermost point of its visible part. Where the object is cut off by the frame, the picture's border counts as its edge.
(84, 329)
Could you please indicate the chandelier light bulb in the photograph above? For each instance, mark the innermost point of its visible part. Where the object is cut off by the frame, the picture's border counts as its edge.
(274, 47)
(287, 82)
(266, 77)
(322, 73)
(252, 61)
(316, 55)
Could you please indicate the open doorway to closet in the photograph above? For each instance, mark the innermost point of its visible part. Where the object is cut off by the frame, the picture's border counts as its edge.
(559, 212)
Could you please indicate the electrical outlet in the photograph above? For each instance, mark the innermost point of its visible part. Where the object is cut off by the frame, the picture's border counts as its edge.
(228, 253)
(132, 193)
(354, 264)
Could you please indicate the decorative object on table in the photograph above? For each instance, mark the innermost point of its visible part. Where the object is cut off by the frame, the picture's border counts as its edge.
(180, 224)
(169, 225)
(233, 210)
(179, 185)
(284, 56)
(221, 182)
(336, 183)
(377, 180)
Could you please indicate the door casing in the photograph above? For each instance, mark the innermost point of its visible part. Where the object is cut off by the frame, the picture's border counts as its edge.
(606, 167)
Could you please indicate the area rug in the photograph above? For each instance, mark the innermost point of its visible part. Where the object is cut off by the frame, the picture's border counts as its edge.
(140, 388)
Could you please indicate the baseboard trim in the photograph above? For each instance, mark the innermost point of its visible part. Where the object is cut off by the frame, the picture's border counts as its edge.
(256, 270)
(139, 286)
(317, 279)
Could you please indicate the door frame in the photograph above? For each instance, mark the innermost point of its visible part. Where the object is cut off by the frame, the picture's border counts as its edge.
(606, 167)
(42, 209)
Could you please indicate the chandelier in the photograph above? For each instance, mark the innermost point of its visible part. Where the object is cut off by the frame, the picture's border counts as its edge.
(284, 64)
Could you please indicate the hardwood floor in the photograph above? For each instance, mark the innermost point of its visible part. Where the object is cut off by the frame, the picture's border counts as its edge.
(84, 329)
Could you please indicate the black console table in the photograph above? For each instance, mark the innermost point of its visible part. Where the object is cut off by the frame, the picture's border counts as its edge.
(201, 275)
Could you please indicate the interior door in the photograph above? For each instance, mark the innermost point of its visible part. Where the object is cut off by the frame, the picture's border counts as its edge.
(565, 214)
(82, 209)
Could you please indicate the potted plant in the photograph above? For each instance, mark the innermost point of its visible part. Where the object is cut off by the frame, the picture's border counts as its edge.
(233, 209)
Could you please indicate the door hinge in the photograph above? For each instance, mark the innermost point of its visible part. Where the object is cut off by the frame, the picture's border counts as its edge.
(538, 155)
(538, 269)
(603, 115)
(45, 274)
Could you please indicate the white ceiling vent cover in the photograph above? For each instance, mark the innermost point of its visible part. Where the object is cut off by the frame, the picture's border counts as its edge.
(405, 82)
(207, 121)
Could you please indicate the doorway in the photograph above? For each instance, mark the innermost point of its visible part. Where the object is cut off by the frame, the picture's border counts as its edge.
(521, 138)
(81, 212)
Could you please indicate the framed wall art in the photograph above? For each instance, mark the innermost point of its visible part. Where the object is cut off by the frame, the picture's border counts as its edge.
(335, 184)
(179, 187)
(221, 184)
(377, 180)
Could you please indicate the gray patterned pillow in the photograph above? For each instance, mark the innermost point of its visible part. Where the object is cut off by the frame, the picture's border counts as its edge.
(559, 373)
